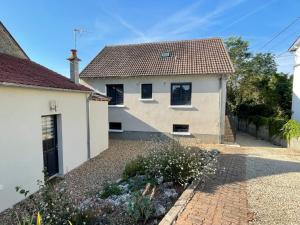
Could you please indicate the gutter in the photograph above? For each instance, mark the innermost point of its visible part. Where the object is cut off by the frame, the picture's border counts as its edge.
(41, 88)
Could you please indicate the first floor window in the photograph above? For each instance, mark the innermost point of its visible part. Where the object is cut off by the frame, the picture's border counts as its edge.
(180, 128)
(116, 94)
(146, 91)
(181, 93)
(115, 126)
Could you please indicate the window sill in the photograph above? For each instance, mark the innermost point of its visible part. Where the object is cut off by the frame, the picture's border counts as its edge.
(146, 99)
(181, 106)
(116, 106)
(115, 131)
(181, 133)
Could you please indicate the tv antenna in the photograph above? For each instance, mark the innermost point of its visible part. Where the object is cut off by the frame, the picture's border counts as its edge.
(77, 32)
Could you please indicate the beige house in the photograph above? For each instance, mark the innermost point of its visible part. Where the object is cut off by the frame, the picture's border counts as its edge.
(47, 121)
(166, 89)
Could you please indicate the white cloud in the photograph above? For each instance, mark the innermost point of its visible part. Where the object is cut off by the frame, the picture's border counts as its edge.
(178, 24)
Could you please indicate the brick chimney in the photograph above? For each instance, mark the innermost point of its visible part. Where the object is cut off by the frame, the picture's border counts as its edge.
(74, 66)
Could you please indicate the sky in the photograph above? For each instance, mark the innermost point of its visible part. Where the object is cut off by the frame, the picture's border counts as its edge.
(44, 28)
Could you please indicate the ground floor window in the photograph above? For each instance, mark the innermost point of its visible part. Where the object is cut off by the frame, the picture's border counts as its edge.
(115, 126)
(180, 128)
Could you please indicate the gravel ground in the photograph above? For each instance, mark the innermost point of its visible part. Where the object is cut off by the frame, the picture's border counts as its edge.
(106, 167)
(89, 177)
(273, 181)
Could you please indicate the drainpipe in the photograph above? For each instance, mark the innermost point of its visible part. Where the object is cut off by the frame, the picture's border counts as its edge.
(222, 87)
(220, 110)
(88, 125)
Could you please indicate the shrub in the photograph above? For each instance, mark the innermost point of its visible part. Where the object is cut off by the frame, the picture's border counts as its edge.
(291, 130)
(54, 205)
(110, 189)
(140, 207)
(134, 167)
(179, 164)
(275, 126)
(137, 183)
(86, 217)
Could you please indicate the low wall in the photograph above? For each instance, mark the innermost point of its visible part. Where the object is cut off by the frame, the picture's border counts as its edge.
(295, 144)
(262, 132)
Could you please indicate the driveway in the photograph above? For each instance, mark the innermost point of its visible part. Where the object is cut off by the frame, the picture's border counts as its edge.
(257, 183)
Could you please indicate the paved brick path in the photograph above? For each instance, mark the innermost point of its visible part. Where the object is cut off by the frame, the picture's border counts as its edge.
(223, 200)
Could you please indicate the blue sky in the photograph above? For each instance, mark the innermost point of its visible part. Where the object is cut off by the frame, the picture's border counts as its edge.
(45, 28)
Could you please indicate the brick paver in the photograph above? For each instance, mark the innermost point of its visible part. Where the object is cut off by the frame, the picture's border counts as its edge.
(222, 200)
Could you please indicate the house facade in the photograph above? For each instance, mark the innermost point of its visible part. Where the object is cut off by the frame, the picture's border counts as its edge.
(170, 88)
(47, 122)
(295, 48)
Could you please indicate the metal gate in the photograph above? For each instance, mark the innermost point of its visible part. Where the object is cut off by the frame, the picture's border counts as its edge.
(50, 151)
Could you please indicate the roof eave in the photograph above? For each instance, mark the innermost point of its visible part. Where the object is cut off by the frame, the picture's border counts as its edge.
(7, 84)
(295, 45)
(162, 75)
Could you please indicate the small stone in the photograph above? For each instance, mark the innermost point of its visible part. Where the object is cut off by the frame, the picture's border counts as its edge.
(160, 210)
(119, 180)
(168, 184)
(159, 180)
(124, 187)
(170, 193)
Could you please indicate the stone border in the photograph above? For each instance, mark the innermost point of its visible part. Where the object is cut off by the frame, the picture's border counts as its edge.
(180, 204)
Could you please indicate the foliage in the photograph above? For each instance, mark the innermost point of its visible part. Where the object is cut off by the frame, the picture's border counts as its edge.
(275, 126)
(179, 164)
(140, 207)
(138, 182)
(26, 220)
(291, 130)
(30, 220)
(256, 82)
(53, 204)
(86, 217)
(110, 189)
(134, 167)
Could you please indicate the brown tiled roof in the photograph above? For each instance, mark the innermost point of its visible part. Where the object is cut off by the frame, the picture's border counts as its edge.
(25, 72)
(99, 97)
(204, 56)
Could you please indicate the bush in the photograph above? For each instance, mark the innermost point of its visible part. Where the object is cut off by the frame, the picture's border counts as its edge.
(291, 130)
(86, 217)
(53, 204)
(110, 189)
(179, 164)
(134, 167)
(140, 207)
(275, 126)
(138, 182)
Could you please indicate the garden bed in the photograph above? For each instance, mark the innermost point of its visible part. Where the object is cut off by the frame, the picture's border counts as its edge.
(149, 187)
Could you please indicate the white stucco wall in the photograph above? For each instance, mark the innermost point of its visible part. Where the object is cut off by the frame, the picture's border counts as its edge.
(21, 153)
(296, 88)
(157, 116)
(98, 127)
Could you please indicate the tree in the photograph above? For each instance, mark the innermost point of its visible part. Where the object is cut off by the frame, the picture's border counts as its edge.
(256, 82)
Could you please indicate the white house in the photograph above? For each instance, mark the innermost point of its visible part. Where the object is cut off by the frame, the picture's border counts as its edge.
(165, 88)
(295, 48)
(46, 121)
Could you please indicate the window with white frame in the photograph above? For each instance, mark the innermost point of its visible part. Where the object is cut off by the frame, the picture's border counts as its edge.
(116, 94)
(181, 93)
(146, 91)
(115, 126)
